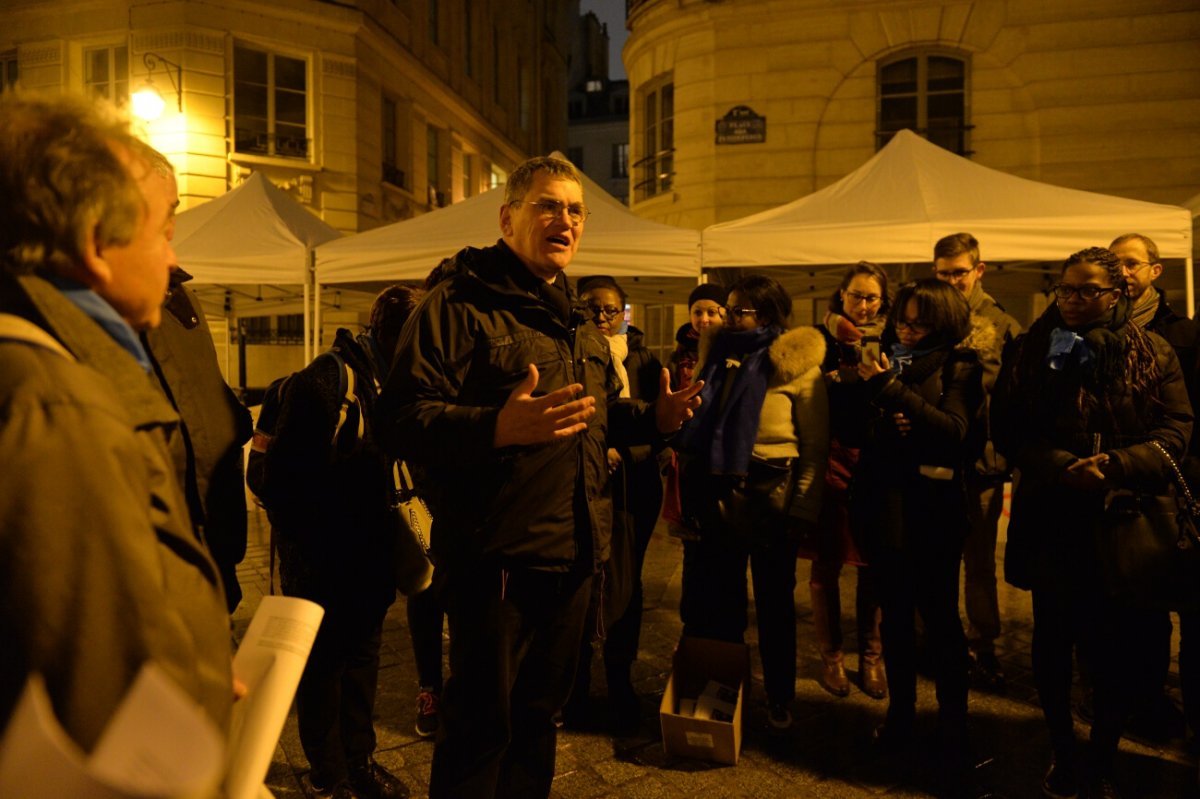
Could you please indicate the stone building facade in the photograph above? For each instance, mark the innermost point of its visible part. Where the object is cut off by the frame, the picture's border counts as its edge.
(1100, 95)
(368, 112)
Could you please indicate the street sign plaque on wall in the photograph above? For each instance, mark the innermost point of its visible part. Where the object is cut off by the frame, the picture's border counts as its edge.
(741, 126)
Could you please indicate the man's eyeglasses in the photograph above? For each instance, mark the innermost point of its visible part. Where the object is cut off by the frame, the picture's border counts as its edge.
(952, 275)
(607, 311)
(855, 298)
(916, 327)
(740, 312)
(552, 209)
(1086, 292)
(1131, 265)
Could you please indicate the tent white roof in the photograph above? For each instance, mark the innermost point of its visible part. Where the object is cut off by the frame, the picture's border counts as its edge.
(894, 208)
(615, 242)
(255, 233)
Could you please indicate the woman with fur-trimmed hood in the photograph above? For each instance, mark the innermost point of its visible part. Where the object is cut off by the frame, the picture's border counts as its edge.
(922, 400)
(763, 424)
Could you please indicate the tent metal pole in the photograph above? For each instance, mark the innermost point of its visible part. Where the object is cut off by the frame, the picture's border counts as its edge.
(307, 325)
(316, 348)
(1190, 283)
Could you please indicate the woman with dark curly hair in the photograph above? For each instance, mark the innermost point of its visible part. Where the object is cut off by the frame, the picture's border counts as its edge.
(908, 500)
(1081, 397)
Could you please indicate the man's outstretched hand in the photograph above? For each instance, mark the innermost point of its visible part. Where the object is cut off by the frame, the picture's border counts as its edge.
(526, 419)
(673, 408)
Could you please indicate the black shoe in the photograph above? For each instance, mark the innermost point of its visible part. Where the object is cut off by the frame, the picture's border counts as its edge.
(373, 781)
(986, 673)
(317, 787)
(779, 718)
(1061, 781)
(892, 737)
(626, 709)
(1102, 787)
(427, 712)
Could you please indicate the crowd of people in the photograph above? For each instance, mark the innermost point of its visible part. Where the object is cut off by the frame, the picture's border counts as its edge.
(549, 442)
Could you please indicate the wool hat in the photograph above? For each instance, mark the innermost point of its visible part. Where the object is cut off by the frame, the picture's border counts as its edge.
(708, 291)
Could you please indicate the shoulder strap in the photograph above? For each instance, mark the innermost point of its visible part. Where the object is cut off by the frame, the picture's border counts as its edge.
(348, 389)
(16, 328)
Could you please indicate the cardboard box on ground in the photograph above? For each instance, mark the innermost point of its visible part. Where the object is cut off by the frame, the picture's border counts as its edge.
(702, 706)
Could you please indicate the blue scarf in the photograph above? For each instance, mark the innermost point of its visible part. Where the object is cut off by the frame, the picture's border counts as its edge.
(902, 356)
(103, 314)
(1063, 344)
(726, 423)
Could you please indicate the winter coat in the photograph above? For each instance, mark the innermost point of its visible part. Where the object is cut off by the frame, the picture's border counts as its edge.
(214, 427)
(794, 420)
(1041, 430)
(1183, 335)
(100, 570)
(989, 463)
(331, 502)
(467, 346)
(910, 486)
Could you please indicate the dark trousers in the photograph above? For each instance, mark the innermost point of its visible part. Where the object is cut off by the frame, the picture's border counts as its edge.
(645, 499)
(1113, 640)
(425, 613)
(514, 648)
(923, 578)
(714, 602)
(985, 500)
(336, 696)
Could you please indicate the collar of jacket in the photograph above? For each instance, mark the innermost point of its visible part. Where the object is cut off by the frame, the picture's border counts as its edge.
(1165, 314)
(499, 270)
(138, 391)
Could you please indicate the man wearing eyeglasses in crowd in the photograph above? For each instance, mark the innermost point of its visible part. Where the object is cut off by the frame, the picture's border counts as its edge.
(510, 400)
(956, 261)
(1149, 310)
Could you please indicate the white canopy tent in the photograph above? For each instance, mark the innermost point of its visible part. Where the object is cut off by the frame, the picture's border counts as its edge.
(894, 208)
(645, 256)
(255, 233)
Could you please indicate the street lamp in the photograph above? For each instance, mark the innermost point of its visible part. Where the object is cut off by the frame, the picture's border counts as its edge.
(147, 103)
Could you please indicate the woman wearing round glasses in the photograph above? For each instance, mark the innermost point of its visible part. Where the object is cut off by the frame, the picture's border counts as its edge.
(908, 500)
(752, 467)
(637, 497)
(857, 312)
(1079, 397)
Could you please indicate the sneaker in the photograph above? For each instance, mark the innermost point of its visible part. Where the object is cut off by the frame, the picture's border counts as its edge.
(373, 781)
(318, 788)
(986, 672)
(1061, 781)
(779, 718)
(427, 712)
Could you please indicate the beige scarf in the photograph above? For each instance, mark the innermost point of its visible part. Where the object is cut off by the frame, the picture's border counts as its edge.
(618, 345)
(1144, 308)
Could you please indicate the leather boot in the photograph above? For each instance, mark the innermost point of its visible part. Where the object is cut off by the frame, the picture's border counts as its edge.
(827, 621)
(872, 675)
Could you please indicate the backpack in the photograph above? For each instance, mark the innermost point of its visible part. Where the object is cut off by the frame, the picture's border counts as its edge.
(268, 420)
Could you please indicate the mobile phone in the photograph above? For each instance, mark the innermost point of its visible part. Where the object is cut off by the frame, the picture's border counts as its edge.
(870, 349)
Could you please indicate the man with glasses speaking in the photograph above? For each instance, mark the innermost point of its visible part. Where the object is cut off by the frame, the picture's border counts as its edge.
(510, 401)
(956, 261)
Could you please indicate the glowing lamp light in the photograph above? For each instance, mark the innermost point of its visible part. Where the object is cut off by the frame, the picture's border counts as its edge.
(146, 102)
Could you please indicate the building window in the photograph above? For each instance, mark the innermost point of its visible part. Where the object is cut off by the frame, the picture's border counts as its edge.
(496, 65)
(8, 71)
(433, 160)
(392, 173)
(106, 73)
(256, 329)
(925, 93)
(434, 21)
(620, 160)
(270, 103)
(593, 86)
(468, 175)
(656, 168)
(496, 177)
(524, 95)
(289, 329)
(468, 38)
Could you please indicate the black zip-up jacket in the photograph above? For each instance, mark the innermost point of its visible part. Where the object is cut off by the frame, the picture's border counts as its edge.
(466, 347)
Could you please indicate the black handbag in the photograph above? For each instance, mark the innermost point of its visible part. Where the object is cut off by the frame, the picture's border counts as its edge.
(1148, 548)
(758, 503)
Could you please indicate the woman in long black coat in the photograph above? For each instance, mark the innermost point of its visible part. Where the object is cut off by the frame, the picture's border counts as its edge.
(1080, 396)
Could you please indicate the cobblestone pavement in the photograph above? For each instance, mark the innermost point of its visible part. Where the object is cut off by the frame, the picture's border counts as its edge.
(826, 754)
